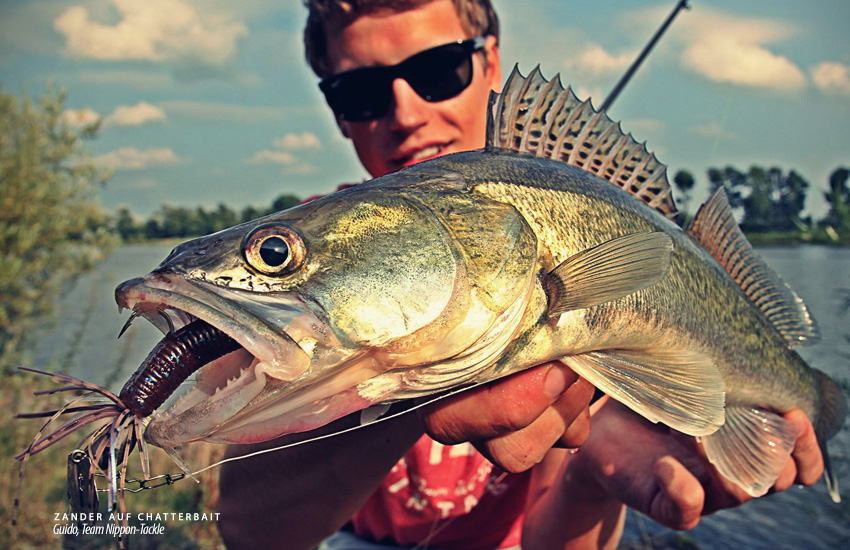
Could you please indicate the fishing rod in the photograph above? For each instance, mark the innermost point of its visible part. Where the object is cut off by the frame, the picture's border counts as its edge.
(683, 4)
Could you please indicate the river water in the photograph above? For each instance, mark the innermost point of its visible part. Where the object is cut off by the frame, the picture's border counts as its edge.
(799, 518)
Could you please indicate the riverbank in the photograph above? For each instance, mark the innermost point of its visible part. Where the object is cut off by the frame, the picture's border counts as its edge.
(794, 238)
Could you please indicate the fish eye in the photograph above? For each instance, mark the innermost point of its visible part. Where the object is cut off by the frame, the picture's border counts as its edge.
(274, 249)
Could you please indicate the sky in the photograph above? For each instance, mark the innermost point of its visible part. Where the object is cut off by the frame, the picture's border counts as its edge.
(211, 101)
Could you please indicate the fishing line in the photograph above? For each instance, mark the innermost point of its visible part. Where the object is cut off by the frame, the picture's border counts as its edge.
(722, 127)
(409, 408)
(435, 529)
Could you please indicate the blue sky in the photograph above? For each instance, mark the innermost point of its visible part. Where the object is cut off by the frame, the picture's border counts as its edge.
(210, 101)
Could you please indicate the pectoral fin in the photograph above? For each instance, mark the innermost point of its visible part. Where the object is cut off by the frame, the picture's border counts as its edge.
(680, 388)
(751, 448)
(373, 413)
(608, 271)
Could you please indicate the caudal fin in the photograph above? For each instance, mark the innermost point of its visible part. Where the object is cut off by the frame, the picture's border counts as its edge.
(753, 445)
(830, 420)
(829, 475)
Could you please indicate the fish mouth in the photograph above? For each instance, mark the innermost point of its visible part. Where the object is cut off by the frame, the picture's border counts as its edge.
(267, 387)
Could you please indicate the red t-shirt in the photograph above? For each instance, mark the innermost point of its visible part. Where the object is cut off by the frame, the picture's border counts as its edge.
(445, 496)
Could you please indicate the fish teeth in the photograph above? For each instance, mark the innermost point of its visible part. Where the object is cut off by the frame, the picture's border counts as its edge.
(308, 345)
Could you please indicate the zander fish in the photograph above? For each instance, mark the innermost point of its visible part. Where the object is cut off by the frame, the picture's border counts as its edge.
(469, 267)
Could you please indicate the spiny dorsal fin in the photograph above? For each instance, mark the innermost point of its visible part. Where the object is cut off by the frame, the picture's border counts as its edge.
(717, 231)
(536, 116)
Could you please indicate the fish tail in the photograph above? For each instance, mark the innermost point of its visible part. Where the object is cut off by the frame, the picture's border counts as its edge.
(830, 419)
(829, 475)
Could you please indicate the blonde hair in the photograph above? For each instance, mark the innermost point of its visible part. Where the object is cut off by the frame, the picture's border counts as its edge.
(477, 17)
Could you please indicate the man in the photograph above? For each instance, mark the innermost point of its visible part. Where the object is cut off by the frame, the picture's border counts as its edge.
(396, 117)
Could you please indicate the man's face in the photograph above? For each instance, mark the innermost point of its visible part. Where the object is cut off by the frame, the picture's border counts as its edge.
(414, 130)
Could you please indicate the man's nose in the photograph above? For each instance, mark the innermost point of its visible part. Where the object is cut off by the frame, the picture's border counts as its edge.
(409, 111)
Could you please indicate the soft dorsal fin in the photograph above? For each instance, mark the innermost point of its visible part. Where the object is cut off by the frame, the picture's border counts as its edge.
(717, 231)
(536, 116)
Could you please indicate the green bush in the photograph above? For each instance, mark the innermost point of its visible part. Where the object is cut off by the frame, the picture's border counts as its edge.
(52, 227)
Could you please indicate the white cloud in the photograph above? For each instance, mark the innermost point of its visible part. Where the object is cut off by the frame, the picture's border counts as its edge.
(301, 169)
(79, 118)
(730, 59)
(832, 77)
(714, 130)
(123, 115)
(305, 140)
(597, 61)
(717, 45)
(169, 31)
(135, 115)
(727, 48)
(594, 94)
(130, 158)
(280, 153)
(275, 157)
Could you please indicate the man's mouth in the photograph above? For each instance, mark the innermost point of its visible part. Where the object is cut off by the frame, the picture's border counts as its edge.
(427, 152)
(422, 154)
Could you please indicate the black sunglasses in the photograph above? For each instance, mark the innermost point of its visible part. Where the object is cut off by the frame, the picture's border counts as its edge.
(435, 74)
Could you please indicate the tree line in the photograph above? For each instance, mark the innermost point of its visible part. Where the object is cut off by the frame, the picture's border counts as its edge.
(768, 200)
(181, 222)
(771, 201)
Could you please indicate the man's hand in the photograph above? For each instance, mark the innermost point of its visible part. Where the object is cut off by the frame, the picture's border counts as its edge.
(665, 474)
(516, 420)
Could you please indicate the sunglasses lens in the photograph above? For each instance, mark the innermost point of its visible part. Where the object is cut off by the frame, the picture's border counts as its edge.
(359, 95)
(366, 94)
(441, 73)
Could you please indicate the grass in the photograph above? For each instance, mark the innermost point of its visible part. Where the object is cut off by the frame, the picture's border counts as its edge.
(44, 490)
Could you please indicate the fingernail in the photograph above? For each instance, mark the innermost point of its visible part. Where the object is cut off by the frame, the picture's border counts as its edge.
(555, 382)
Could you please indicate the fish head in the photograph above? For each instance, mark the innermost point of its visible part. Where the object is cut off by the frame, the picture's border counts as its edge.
(385, 291)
